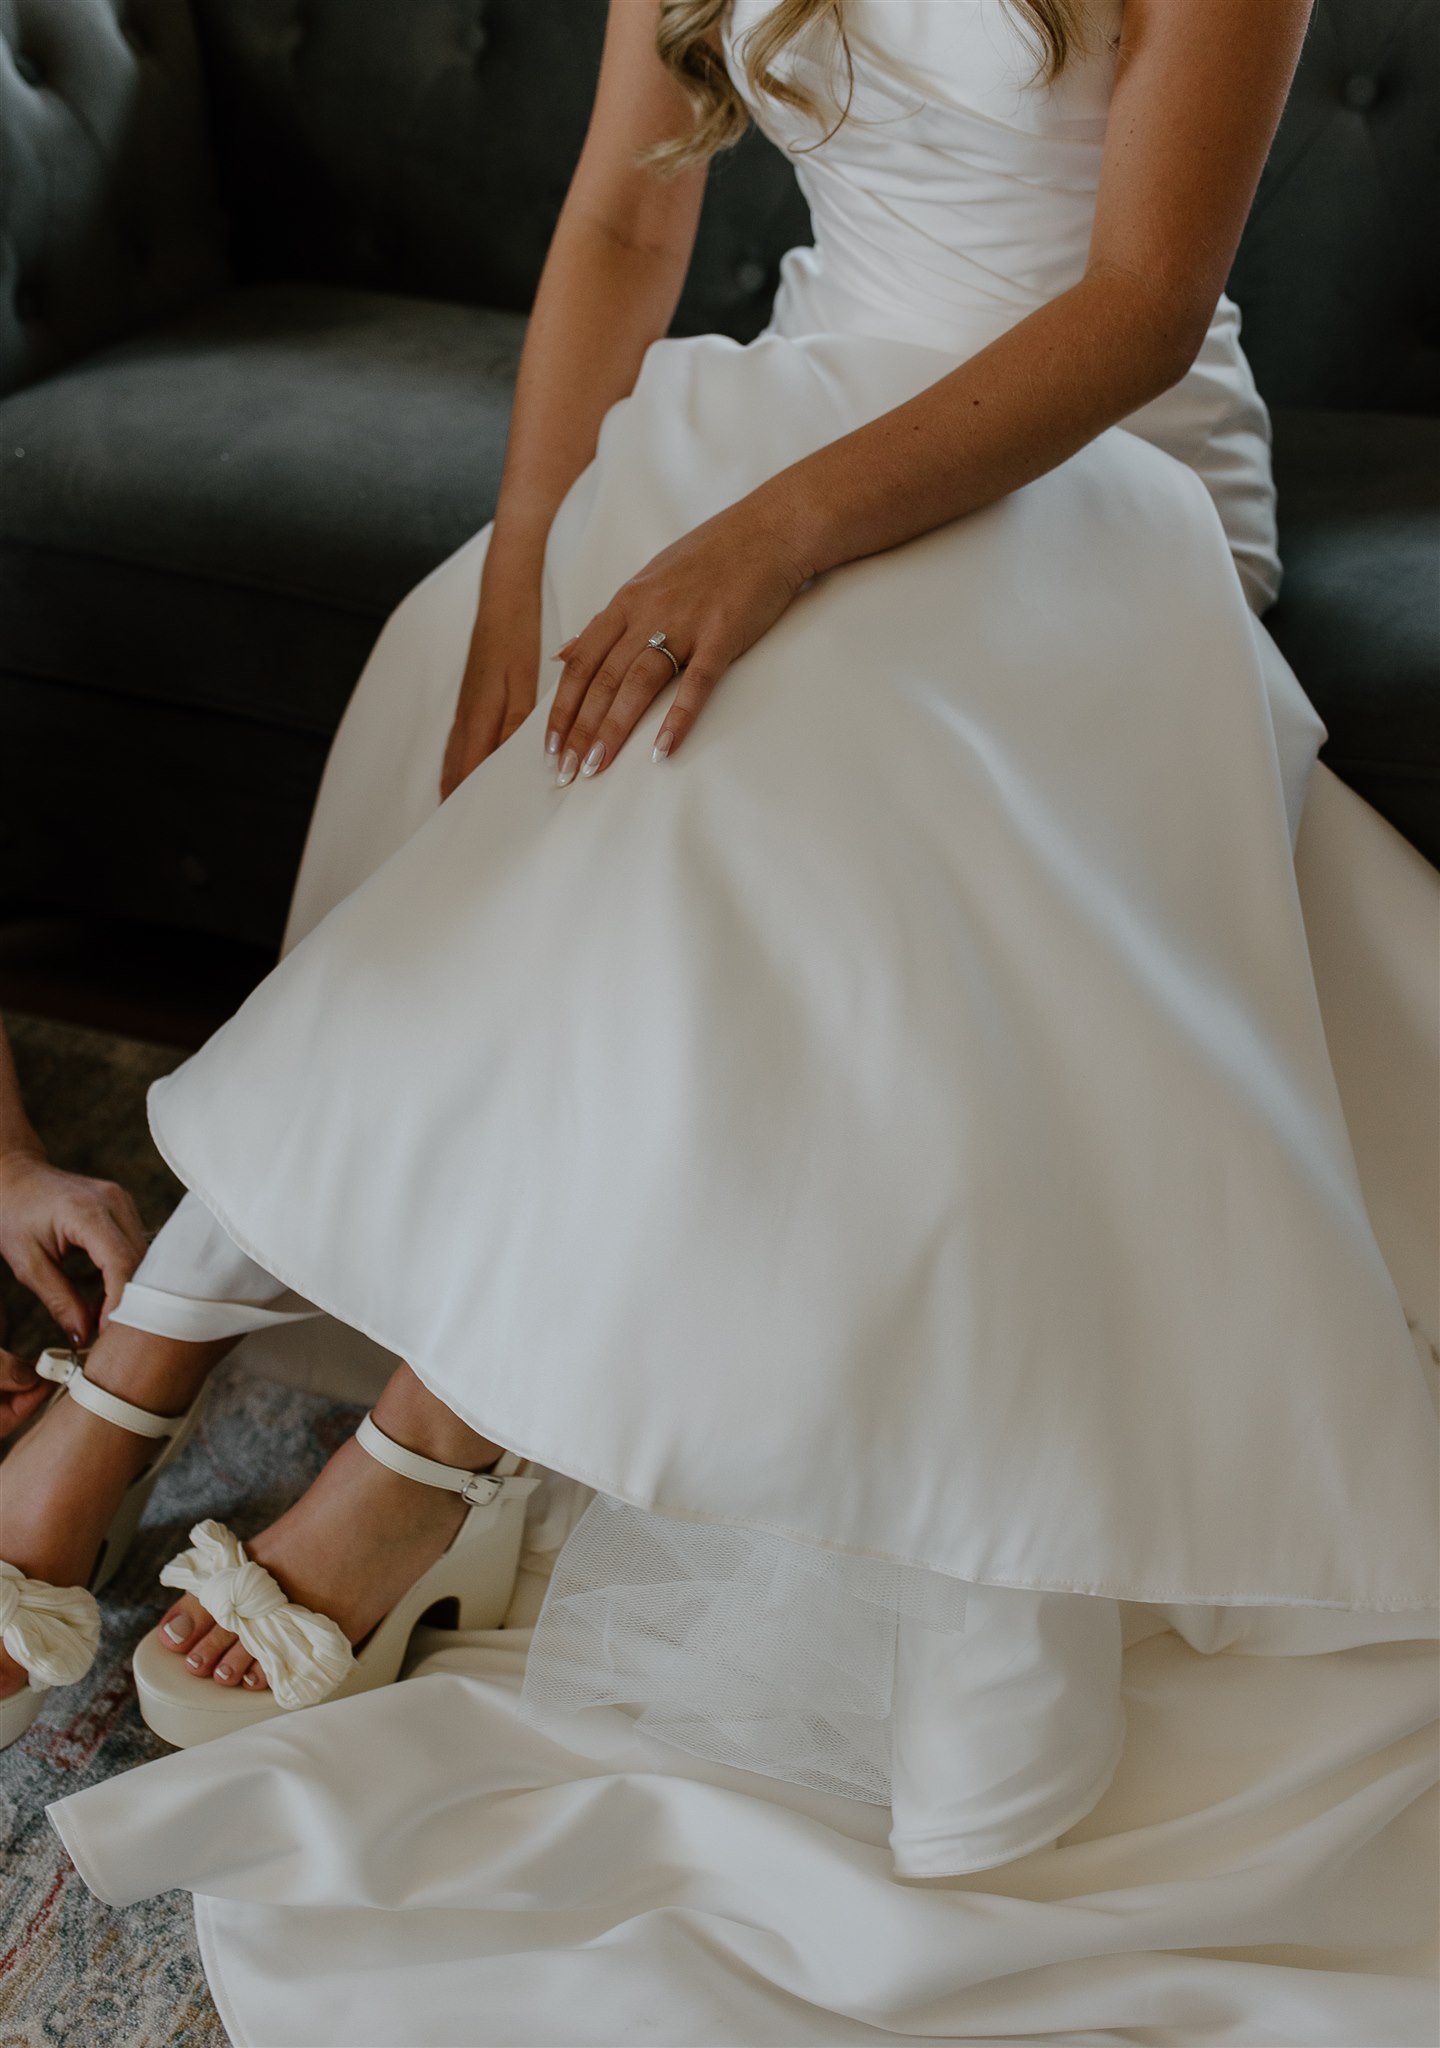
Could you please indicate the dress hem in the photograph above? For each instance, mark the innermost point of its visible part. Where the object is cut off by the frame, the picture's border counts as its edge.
(498, 1432)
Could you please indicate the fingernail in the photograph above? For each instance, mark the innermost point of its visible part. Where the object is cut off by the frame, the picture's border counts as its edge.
(593, 759)
(251, 1678)
(179, 1630)
(195, 1662)
(663, 745)
(552, 742)
(568, 767)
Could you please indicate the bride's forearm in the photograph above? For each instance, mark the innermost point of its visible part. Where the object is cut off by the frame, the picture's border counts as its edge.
(1061, 376)
(602, 300)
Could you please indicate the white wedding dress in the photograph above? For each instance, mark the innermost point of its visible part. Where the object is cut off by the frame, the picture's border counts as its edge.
(892, 1153)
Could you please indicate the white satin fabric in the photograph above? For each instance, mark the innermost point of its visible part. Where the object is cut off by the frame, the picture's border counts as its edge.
(423, 1865)
(901, 1128)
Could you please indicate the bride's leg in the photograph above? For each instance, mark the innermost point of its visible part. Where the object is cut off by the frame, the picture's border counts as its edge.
(1005, 1735)
(359, 1538)
(64, 1479)
(194, 1296)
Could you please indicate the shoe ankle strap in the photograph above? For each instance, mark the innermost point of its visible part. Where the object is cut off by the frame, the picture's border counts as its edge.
(67, 1370)
(475, 1487)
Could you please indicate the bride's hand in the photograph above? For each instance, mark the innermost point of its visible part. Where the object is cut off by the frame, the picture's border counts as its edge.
(713, 593)
(497, 693)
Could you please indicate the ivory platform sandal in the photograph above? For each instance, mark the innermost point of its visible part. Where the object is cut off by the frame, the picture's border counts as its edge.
(54, 1631)
(306, 1657)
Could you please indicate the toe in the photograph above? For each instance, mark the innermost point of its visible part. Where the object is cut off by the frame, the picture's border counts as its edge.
(255, 1680)
(184, 1624)
(207, 1651)
(232, 1666)
(12, 1676)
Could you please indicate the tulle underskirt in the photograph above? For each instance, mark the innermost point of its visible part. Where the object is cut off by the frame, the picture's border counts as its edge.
(733, 1644)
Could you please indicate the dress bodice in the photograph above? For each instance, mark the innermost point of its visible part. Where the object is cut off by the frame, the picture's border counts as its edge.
(958, 195)
(955, 196)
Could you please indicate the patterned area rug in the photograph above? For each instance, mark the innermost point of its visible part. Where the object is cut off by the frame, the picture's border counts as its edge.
(74, 1974)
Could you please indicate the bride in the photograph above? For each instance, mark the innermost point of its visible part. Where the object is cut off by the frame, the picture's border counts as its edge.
(840, 1073)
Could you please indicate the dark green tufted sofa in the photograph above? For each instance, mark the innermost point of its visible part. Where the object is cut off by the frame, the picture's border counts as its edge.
(263, 273)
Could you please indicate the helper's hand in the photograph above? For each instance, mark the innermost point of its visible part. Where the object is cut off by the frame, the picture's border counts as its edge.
(713, 593)
(21, 1392)
(498, 691)
(44, 1214)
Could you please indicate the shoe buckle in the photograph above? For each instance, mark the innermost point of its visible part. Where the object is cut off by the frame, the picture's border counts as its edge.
(480, 1489)
(60, 1367)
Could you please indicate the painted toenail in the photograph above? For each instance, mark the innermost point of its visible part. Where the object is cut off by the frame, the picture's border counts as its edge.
(251, 1678)
(195, 1662)
(178, 1630)
(224, 1673)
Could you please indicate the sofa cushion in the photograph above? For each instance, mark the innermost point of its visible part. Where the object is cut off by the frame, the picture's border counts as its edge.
(108, 215)
(316, 442)
(425, 146)
(1358, 616)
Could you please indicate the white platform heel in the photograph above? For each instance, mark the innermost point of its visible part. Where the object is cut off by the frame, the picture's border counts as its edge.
(305, 1656)
(54, 1631)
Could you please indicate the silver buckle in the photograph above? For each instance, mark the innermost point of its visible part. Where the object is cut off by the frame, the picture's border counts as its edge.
(471, 1493)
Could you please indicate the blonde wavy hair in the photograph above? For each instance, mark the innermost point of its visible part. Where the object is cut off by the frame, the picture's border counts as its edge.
(687, 36)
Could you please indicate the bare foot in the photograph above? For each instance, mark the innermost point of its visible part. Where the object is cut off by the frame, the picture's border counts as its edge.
(357, 1541)
(67, 1475)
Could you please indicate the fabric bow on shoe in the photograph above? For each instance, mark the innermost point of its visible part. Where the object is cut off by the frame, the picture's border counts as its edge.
(52, 1632)
(303, 1655)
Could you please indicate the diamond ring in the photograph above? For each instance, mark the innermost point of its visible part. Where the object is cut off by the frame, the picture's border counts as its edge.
(657, 641)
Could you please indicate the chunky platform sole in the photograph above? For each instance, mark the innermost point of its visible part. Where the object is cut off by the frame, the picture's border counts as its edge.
(474, 1580)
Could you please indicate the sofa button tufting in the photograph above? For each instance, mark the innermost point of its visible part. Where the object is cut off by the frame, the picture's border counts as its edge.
(750, 276)
(1360, 91)
(28, 69)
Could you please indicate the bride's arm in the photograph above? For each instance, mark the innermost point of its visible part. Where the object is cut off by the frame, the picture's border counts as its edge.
(609, 288)
(1198, 94)
(1199, 91)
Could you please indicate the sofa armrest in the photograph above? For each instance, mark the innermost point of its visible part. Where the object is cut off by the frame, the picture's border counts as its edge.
(1358, 616)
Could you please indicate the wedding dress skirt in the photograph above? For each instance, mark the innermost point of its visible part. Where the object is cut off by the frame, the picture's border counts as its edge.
(903, 1121)
(890, 1153)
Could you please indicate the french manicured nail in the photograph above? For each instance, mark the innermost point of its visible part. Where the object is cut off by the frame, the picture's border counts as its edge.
(568, 766)
(179, 1630)
(195, 1661)
(251, 1678)
(223, 1673)
(593, 759)
(552, 742)
(663, 745)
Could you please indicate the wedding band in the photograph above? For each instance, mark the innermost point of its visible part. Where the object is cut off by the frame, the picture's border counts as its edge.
(657, 641)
